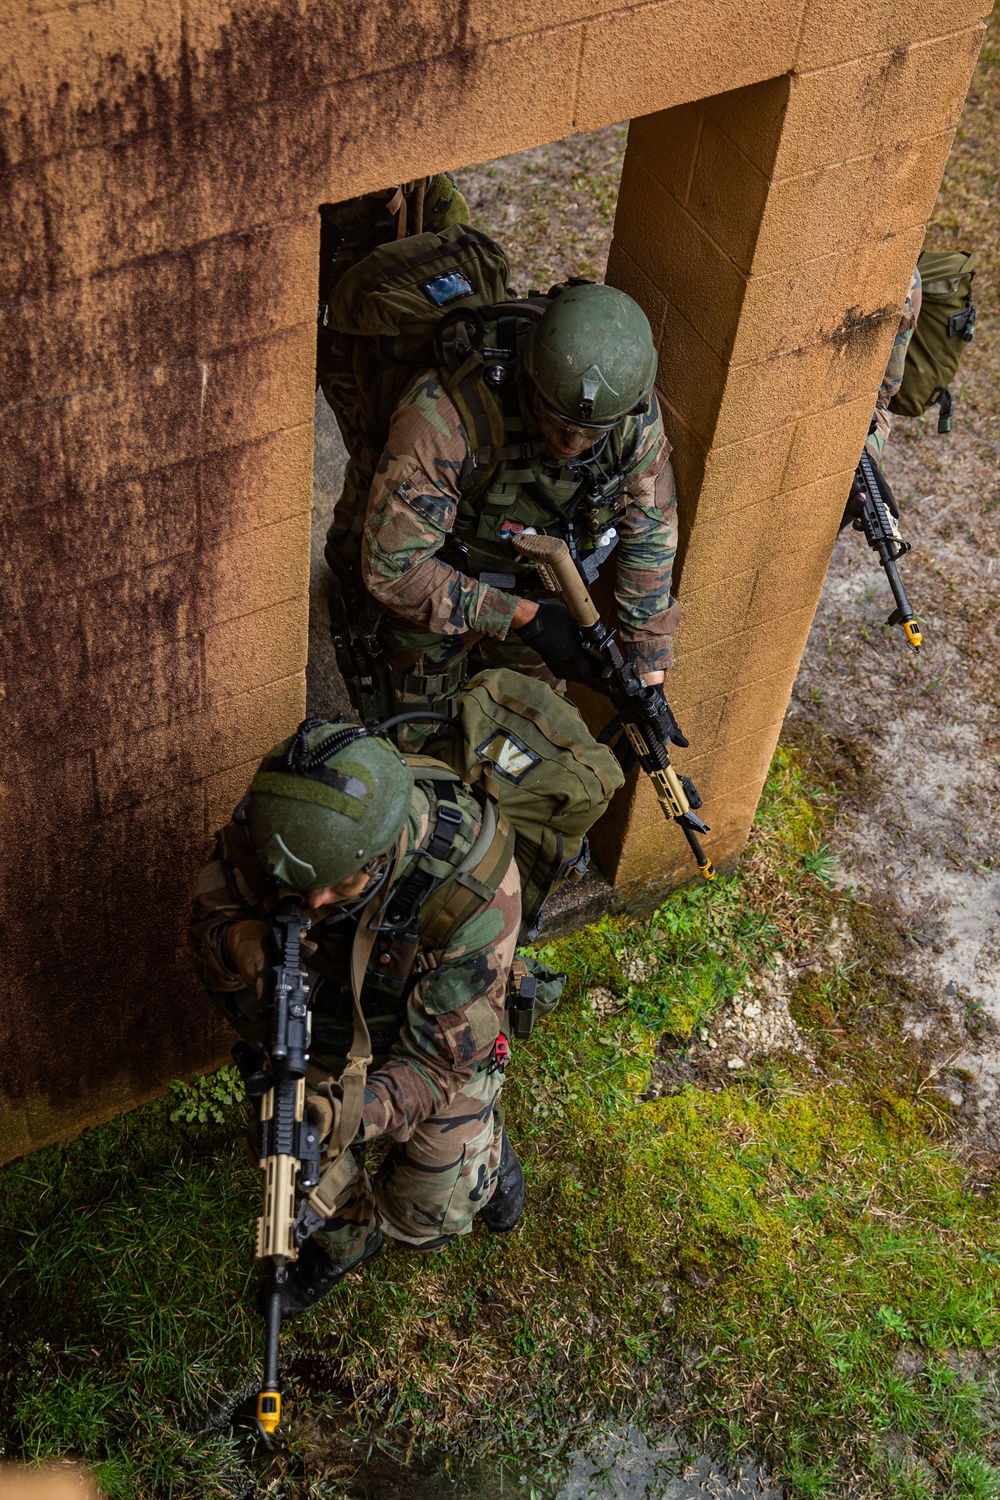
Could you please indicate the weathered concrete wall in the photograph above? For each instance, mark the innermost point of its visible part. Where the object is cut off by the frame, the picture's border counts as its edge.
(770, 233)
(160, 166)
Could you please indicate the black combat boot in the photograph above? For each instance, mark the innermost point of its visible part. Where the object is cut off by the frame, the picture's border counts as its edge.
(504, 1208)
(314, 1274)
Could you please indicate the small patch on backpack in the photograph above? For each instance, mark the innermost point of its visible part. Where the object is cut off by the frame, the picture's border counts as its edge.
(447, 288)
(511, 759)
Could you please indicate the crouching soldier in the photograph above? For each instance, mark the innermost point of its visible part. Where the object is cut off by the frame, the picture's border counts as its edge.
(584, 457)
(371, 848)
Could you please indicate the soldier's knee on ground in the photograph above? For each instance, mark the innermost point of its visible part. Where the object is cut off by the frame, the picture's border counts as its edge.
(430, 1189)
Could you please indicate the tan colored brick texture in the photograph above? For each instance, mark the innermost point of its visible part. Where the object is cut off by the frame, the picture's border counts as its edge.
(158, 244)
(813, 199)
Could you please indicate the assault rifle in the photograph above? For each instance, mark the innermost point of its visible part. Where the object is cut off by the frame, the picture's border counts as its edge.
(641, 711)
(873, 508)
(289, 1143)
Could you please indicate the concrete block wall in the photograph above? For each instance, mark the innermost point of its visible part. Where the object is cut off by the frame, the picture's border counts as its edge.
(770, 232)
(160, 166)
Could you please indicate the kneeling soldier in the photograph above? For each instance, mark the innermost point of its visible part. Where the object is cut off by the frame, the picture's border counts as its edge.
(372, 848)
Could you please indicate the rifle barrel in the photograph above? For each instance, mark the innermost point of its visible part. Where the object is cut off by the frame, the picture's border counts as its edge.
(269, 1399)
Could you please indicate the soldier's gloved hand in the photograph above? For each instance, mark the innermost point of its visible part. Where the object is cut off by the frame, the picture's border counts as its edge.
(245, 945)
(321, 1113)
(668, 724)
(324, 1105)
(555, 636)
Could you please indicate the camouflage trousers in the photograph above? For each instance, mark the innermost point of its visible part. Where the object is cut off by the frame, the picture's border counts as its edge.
(430, 1187)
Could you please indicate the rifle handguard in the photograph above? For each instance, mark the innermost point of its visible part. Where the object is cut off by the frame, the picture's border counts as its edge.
(559, 573)
(550, 555)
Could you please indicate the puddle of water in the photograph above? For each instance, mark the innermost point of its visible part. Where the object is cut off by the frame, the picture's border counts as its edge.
(618, 1464)
(621, 1464)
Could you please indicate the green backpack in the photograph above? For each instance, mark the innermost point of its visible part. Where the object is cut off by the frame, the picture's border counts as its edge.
(549, 776)
(432, 301)
(947, 322)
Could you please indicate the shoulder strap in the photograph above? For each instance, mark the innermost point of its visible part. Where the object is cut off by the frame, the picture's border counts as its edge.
(472, 886)
(429, 768)
(480, 407)
(481, 417)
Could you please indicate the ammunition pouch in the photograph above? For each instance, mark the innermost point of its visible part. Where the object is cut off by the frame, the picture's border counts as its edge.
(409, 688)
(521, 988)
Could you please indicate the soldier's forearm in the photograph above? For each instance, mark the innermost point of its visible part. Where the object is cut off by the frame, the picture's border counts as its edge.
(436, 597)
(525, 612)
(404, 1091)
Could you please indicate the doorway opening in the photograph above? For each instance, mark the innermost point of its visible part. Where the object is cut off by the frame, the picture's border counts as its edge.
(552, 209)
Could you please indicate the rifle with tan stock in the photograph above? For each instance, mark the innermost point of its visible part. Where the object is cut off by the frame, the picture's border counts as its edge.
(641, 711)
(289, 1144)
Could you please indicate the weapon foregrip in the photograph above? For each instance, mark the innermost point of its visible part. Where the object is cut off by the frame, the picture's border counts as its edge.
(552, 554)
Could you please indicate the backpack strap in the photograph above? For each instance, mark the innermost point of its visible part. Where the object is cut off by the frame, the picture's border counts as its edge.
(481, 417)
(473, 885)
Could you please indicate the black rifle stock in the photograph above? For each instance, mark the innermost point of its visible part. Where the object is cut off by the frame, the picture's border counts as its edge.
(640, 710)
(290, 1144)
(873, 500)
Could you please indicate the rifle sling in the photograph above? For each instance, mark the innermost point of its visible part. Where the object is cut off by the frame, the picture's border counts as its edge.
(341, 1165)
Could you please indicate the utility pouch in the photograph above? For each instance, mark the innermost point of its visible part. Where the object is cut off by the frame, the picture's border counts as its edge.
(362, 664)
(521, 989)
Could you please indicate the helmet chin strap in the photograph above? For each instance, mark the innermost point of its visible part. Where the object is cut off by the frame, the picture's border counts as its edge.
(342, 911)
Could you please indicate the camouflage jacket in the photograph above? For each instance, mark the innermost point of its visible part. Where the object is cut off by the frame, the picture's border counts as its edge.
(893, 377)
(418, 512)
(430, 1031)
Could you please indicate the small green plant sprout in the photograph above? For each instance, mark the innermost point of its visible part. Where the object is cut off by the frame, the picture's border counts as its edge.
(893, 1319)
(205, 1099)
(822, 863)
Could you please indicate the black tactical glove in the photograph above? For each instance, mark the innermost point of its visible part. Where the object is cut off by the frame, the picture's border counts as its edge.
(555, 636)
(669, 727)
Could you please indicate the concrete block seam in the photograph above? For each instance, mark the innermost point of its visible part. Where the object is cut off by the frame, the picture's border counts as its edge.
(875, 157)
(176, 252)
(893, 52)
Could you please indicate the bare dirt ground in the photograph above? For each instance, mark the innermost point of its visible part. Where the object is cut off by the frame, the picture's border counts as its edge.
(910, 744)
(912, 741)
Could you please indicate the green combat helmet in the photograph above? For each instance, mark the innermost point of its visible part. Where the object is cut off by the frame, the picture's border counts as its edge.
(326, 802)
(591, 356)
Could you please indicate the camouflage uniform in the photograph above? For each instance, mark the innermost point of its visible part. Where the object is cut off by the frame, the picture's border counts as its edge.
(349, 231)
(432, 1089)
(441, 564)
(893, 377)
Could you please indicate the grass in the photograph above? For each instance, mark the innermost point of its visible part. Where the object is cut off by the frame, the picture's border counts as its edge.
(790, 1265)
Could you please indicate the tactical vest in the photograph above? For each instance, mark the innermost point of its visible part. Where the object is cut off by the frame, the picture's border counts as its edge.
(582, 501)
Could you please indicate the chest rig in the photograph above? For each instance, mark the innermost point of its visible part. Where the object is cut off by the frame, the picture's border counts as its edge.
(511, 483)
